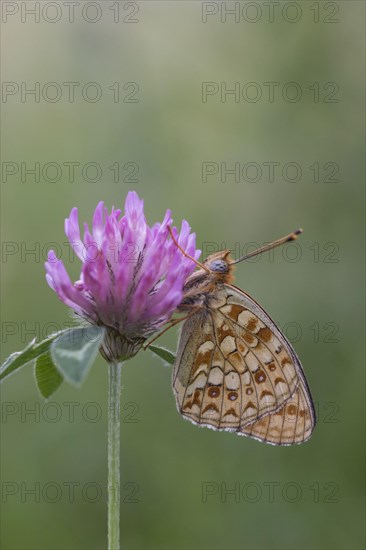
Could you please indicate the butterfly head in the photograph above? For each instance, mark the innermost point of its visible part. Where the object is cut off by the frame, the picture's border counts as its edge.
(220, 266)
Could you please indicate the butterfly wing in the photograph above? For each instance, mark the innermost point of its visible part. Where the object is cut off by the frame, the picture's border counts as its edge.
(293, 423)
(234, 367)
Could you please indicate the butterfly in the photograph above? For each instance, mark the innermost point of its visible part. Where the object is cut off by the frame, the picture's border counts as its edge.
(234, 369)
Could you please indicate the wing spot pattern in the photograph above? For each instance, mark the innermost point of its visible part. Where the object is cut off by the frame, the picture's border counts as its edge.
(234, 360)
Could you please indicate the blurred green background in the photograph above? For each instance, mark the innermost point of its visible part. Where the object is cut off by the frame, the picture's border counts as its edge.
(305, 497)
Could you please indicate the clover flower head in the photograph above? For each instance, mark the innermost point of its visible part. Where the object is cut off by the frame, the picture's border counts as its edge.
(132, 275)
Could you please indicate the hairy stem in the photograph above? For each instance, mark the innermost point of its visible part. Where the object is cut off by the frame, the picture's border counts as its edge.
(114, 455)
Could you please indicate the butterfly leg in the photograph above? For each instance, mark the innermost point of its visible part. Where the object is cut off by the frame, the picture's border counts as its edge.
(172, 324)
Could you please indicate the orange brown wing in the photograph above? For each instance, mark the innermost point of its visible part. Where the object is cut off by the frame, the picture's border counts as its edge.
(291, 424)
(234, 367)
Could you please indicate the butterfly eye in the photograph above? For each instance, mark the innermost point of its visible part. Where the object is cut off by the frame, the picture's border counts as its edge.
(220, 266)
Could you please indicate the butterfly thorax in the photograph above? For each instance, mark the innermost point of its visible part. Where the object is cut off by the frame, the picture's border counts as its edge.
(199, 289)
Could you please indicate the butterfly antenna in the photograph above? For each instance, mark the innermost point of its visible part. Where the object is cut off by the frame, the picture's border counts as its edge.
(291, 237)
(185, 253)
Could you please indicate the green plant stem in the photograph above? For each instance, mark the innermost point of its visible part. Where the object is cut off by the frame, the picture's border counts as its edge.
(113, 455)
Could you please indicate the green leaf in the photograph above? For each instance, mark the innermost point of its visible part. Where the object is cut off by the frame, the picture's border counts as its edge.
(165, 354)
(75, 351)
(20, 358)
(47, 376)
